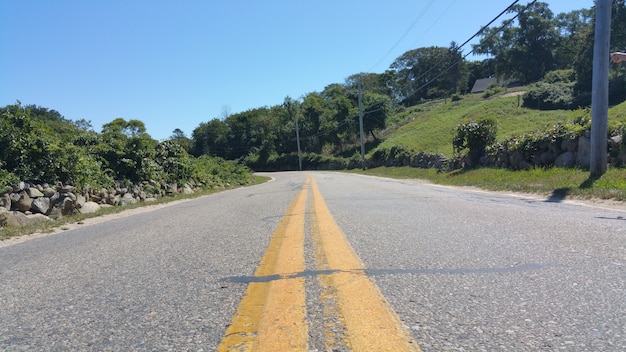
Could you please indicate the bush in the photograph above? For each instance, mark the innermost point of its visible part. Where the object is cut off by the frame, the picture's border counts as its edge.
(174, 160)
(493, 89)
(211, 172)
(472, 139)
(550, 96)
(8, 178)
(395, 155)
(554, 92)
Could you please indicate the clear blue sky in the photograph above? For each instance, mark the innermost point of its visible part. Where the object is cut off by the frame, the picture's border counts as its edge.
(175, 64)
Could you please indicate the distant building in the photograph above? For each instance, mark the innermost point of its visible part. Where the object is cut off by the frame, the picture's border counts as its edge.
(482, 84)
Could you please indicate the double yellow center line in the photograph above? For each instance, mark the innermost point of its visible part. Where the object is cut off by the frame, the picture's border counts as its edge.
(272, 315)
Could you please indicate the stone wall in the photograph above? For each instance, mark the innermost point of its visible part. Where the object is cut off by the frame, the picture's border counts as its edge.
(567, 152)
(25, 203)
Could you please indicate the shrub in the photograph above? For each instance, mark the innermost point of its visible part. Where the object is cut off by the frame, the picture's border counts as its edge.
(493, 89)
(7, 178)
(554, 92)
(472, 139)
(174, 161)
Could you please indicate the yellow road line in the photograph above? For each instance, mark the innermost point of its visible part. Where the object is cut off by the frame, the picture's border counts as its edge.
(272, 315)
(371, 324)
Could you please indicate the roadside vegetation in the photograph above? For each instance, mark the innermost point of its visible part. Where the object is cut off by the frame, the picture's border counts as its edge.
(552, 183)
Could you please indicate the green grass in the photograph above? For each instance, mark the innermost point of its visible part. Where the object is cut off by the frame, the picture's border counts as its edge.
(552, 182)
(430, 127)
(53, 225)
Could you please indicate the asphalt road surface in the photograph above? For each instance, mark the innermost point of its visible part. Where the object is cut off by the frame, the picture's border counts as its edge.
(320, 261)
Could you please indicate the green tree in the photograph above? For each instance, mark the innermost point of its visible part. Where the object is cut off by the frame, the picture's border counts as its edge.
(584, 63)
(128, 150)
(573, 28)
(526, 52)
(211, 138)
(312, 109)
(339, 120)
(24, 144)
(428, 73)
(179, 137)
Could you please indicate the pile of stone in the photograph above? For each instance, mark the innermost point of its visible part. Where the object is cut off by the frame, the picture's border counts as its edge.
(26, 203)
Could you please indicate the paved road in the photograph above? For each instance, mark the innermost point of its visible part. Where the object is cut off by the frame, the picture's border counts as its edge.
(438, 267)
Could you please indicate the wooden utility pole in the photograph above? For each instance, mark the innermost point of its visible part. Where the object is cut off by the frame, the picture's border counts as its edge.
(600, 89)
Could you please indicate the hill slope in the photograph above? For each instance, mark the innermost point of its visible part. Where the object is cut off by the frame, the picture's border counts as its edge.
(430, 127)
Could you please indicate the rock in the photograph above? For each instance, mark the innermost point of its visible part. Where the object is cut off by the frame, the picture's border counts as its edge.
(56, 198)
(34, 192)
(187, 189)
(15, 197)
(172, 188)
(5, 201)
(68, 207)
(40, 205)
(24, 202)
(16, 218)
(48, 191)
(89, 208)
(113, 199)
(70, 195)
(80, 201)
(19, 187)
(55, 213)
(34, 218)
(6, 190)
(567, 159)
(67, 189)
(546, 158)
(3, 216)
(583, 157)
(127, 199)
(616, 141)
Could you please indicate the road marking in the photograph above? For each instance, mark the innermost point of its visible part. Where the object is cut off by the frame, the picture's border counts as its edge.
(272, 313)
(371, 324)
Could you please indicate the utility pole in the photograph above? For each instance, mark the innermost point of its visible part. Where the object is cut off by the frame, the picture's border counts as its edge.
(361, 128)
(600, 89)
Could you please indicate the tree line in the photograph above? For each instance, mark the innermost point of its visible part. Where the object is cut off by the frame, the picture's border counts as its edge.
(39, 145)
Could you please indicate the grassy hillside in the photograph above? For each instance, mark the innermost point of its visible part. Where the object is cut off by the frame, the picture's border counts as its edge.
(431, 126)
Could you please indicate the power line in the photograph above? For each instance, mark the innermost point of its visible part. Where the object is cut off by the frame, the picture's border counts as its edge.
(434, 23)
(404, 34)
(505, 24)
(464, 43)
